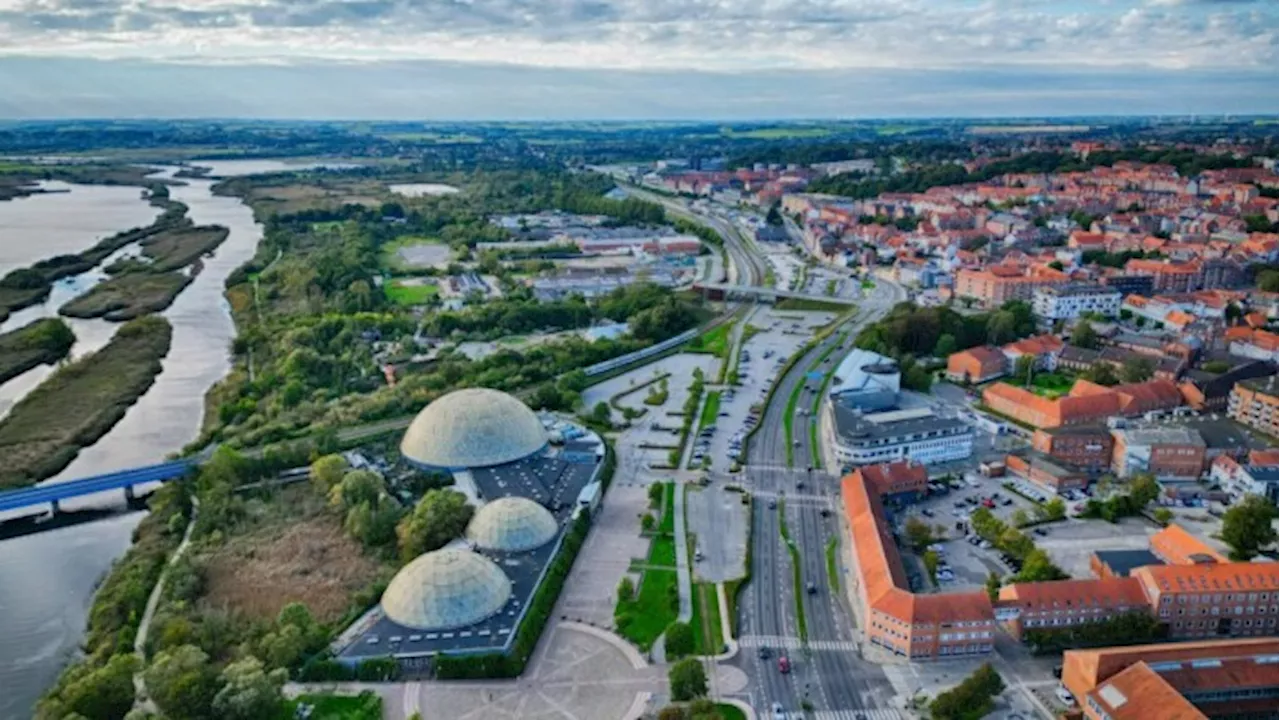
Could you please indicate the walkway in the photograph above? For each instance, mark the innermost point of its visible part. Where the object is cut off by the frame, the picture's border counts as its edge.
(684, 582)
(140, 698)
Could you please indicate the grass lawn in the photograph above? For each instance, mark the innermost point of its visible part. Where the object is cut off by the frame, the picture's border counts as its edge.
(653, 609)
(707, 638)
(710, 409)
(1050, 384)
(390, 257)
(868, 284)
(802, 304)
(365, 706)
(730, 712)
(777, 133)
(714, 341)
(401, 294)
(662, 551)
(667, 524)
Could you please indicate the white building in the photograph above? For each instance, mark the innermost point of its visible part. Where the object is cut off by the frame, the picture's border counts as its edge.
(1069, 302)
(916, 435)
(866, 380)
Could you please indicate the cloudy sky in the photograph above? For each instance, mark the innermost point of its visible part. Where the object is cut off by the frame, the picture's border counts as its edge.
(720, 59)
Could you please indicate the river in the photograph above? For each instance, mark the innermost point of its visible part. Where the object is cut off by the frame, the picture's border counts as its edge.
(47, 579)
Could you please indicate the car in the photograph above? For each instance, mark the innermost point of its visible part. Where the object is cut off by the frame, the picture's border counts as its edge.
(988, 503)
(784, 665)
(974, 540)
(825, 512)
(1041, 532)
(1057, 671)
(1065, 696)
(984, 544)
(926, 512)
(773, 504)
(697, 555)
(811, 588)
(763, 652)
(778, 712)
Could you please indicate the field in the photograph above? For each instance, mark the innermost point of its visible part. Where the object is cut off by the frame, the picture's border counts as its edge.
(777, 133)
(408, 253)
(127, 296)
(80, 402)
(296, 196)
(296, 551)
(1048, 385)
(714, 341)
(401, 292)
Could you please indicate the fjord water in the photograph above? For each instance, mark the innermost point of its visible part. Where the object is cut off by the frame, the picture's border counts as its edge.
(47, 579)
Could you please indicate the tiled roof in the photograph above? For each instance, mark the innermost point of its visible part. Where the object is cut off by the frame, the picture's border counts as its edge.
(1219, 577)
(1132, 694)
(1064, 594)
(1264, 457)
(886, 475)
(1179, 547)
(1095, 665)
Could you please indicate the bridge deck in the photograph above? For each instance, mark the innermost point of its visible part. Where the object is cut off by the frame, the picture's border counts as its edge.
(14, 499)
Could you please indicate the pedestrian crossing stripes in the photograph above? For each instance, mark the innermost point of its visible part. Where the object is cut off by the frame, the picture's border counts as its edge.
(793, 643)
(877, 714)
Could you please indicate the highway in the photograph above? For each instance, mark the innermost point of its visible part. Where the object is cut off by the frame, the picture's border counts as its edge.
(832, 676)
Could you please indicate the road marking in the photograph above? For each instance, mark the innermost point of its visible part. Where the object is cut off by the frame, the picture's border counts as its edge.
(870, 714)
(793, 643)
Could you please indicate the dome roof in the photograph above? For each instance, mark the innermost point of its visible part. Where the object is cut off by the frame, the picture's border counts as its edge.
(446, 589)
(475, 427)
(513, 524)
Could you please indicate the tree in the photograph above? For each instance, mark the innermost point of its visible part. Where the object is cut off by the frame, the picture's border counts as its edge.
(248, 691)
(946, 345)
(182, 682)
(1001, 327)
(327, 471)
(1101, 373)
(919, 534)
(1038, 567)
(679, 640)
(1137, 369)
(1269, 280)
(671, 712)
(647, 522)
(374, 523)
(1057, 265)
(102, 693)
(440, 516)
(1163, 516)
(357, 486)
(626, 589)
(656, 492)
(1055, 509)
(1247, 527)
(688, 680)
(1020, 518)
(1143, 489)
(600, 414)
(1024, 369)
(993, 585)
(971, 699)
(1084, 336)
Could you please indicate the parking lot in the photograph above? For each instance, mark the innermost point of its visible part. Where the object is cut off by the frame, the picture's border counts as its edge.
(718, 519)
(964, 565)
(781, 333)
(1071, 543)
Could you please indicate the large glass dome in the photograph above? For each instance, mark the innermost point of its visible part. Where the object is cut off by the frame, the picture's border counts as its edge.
(475, 427)
(446, 589)
(512, 524)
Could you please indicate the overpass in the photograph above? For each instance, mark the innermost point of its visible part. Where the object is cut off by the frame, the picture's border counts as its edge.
(725, 291)
(125, 480)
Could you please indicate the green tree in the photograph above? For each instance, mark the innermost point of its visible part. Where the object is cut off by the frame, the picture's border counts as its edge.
(440, 516)
(182, 682)
(1143, 489)
(656, 493)
(946, 345)
(626, 589)
(357, 486)
(1002, 327)
(1137, 369)
(1163, 516)
(1038, 567)
(1247, 527)
(993, 585)
(688, 680)
(600, 414)
(679, 640)
(918, 532)
(95, 693)
(248, 691)
(1084, 336)
(930, 560)
(1055, 509)
(327, 471)
(1019, 518)
(1024, 369)
(374, 523)
(1269, 280)
(1101, 373)
(971, 699)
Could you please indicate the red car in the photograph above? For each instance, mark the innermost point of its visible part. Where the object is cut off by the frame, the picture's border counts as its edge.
(784, 665)
(988, 503)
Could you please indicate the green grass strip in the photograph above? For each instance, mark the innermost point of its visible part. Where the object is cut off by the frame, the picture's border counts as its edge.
(833, 572)
(802, 627)
(710, 409)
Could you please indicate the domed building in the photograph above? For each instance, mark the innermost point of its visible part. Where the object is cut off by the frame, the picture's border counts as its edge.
(512, 524)
(446, 589)
(472, 428)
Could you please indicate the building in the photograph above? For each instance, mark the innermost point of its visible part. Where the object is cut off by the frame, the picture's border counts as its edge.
(915, 435)
(1043, 348)
(1069, 302)
(1213, 600)
(1219, 678)
(445, 590)
(1167, 276)
(976, 365)
(866, 381)
(1130, 284)
(1240, 480)
(470, 428)
(1210, 391)
(1083, 446)
(1171, 453)
(1175, 546)
(919, 627)
(1253, 404)
(1086, 402)
(1046, 472)
(999, 284)
(897, 480)
(1059, 604)
(1119, 563)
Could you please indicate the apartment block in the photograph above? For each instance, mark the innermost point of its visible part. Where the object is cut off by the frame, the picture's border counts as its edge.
(1085, 446)
(1253, 403)
(997, 284)
(1070, 301)
(1213, 600)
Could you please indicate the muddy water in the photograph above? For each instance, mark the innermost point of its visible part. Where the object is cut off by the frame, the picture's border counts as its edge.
(47, 579)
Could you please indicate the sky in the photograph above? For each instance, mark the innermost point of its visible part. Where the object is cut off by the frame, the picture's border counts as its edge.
(635, 59)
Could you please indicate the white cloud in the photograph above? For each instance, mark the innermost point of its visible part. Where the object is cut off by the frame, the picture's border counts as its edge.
(725, 35)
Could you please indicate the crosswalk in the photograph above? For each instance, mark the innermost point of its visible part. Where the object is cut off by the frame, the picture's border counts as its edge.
(876, 714)
(793, 643)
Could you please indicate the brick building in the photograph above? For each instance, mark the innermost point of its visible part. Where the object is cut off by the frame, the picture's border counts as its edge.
(976, 365)
(1166, 452)
(1085, 403)
(1047, 472)
(1213, 600)
(1253, 403)
(997, 284)
(1063, 603)
(1085, 446)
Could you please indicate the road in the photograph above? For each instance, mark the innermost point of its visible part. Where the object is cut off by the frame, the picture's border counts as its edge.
(829, 674)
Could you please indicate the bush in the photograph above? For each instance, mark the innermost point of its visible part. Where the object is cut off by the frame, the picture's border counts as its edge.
(1134, 628)
(679, 640)
(688, 680)
(971, 699)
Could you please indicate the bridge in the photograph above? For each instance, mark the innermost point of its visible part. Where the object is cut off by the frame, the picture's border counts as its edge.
(726, 291)
(125, 480)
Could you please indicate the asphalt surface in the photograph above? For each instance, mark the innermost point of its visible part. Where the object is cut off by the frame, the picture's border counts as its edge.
(829, 673)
